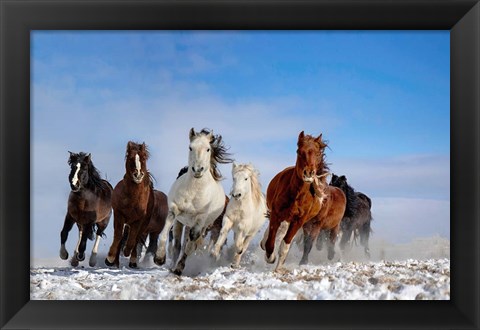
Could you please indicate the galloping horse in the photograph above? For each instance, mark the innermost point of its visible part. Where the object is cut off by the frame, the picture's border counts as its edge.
(358, 215)
(89, 205)
(245, 212)
(135, 204)
(327, 220)
(294, 195)
(196, 198)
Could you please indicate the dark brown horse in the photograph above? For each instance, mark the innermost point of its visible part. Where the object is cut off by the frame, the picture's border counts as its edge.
(357, 217)
(89, 206)
(293, 195)
(136, 205)
(328, 220)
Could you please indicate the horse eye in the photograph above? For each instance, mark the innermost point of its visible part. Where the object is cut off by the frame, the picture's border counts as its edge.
(246, 179)
(190, 148)
(208, 150)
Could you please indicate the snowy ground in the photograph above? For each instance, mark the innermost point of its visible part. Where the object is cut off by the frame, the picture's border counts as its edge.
(418, 270)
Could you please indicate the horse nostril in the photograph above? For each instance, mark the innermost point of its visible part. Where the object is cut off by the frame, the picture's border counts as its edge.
(201, 169)
(305, 172)
(193, 169)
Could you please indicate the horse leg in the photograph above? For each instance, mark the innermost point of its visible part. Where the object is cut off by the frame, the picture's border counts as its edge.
(113, 257)
(285, 245)
(100, 229)
(241, 251)
(226, 226)
(152, 243)
(160, 255)
(331, 242)
(322, 237)
(74, 261)
(188, 247)
(270, 243)
(67, 226)
(82, 245)
(364, 236)
(134, 238)
(346, 236)
(307, 242)
(176, 244)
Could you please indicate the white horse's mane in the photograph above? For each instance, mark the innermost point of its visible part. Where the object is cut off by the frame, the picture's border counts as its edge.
(255, 183)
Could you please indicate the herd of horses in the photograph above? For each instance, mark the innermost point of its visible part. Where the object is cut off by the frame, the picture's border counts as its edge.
(298, 197)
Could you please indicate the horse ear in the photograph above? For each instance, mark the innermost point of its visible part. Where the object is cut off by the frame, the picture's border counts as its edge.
(319, 138)
(143, 147)
(210, 135)
(300, 137)
(234, 164)
(192, 134)
(88, 158)
(343, 177)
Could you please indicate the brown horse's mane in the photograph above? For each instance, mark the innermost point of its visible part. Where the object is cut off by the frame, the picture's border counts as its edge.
(322, 164)
(219, 154)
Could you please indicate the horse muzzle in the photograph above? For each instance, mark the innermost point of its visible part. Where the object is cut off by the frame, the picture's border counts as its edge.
(75, 188)
(138, 178)
(308, 176)
(197, 173)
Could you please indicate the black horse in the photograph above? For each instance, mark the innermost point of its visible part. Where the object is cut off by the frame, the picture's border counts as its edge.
(89, 206)
(357, 217)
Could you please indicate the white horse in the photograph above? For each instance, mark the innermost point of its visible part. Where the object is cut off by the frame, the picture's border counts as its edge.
(195, 199)
(245, 212)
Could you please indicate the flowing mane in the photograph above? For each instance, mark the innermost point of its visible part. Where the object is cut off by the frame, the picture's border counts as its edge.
(255, 183)
(219, 154)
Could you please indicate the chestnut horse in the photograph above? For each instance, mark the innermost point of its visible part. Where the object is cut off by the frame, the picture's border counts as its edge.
(328, 219)
(89, 206)
(293, 195)
(136, 205)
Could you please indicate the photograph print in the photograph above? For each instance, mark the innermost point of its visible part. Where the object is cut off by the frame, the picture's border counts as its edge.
(240, 165)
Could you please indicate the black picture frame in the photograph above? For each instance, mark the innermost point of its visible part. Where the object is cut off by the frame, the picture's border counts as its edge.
(19, 17)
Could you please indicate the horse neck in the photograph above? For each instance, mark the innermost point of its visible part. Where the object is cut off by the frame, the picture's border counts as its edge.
(296, 183)
(142, 187)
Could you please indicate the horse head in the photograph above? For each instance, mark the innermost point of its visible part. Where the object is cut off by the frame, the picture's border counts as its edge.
(79, 170)
(206, 150)
(136, 161)
(310, 157)
(245, 180)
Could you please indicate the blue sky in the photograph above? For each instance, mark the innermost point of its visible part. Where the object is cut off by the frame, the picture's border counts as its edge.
(381, 98)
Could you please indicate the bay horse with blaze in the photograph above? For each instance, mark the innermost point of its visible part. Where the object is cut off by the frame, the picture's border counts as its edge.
(89, 206)
(136, 206)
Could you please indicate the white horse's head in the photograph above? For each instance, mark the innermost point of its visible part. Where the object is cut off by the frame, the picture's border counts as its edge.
(200, 153)
(245, 181)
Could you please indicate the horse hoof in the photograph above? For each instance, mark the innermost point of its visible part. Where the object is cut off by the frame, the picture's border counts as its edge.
(177, 272)
(133, 265)
(234, 266)
(330, 256)
(80, 257)
(63, 255)
(303, 262)
(93, 260)
(267, 259)
(159, 261)
(74, 262)
(108, 263)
